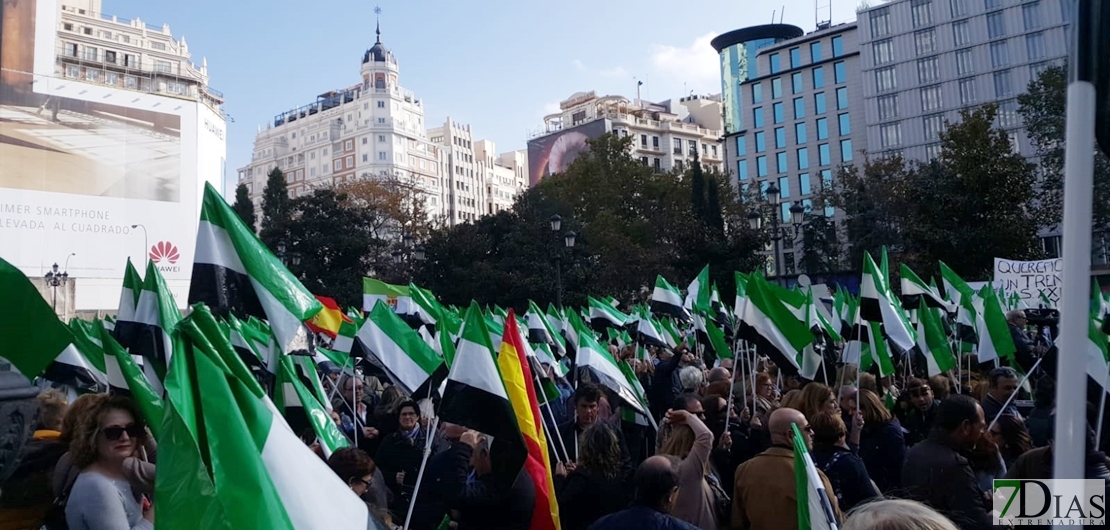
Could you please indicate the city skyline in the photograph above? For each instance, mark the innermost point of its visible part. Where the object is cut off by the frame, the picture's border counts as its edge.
(458, 61)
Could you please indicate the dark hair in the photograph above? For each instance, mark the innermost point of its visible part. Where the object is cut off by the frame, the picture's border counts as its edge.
(683, 401)
(601, 450)
(827, 428)
(1045, 394)
(915, 383)
(351, 463)
(83, 445)
(654, 482)
(405, 404)
(955, 410)
(1002, 372)
(587, 392)
(1015, 437)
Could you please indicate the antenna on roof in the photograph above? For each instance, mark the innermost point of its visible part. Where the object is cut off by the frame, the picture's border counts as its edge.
(819, 6)
(378, 16)
(773, 13)
(782, 13)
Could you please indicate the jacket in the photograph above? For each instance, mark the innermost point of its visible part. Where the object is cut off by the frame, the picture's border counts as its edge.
(484, 505)
(883, 450)
(937, 474)
(764, 493)
(444, 478)
(568, 433)
(847, 473)
(991, 408)
(398, 453)
(694, 503)
(640, 518)
(917, 424)
(585, 497)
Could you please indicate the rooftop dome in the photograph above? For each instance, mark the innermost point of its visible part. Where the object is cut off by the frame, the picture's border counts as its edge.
(379, 53)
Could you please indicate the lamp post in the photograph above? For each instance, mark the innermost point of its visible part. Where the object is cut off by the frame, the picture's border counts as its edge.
(57, 279)
(294, 258)
(408, 253)
(146, 241)
(568, 241)
(778, 233)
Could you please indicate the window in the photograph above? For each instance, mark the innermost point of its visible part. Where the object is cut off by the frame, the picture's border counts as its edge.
(775, 66)
(885, 79)
(91, 53)
(677, 146)
(845, 150)
(1030, 14)
(890, 134)
(922, 13)
(1035, 70)
(780, 162)
(996, 25)
(130, 61)
(337, 165)
(86, 31)
(757, 93)
(67, 26)
(110, 57)
(784, 187)
(928, 71)
(1002, 86)
(741, 169)
(804, 186)
(780, 137)
(741, 146)
(70, 49)
(841, 72)
(819, 103)
(796, 83)
(655, 143)
(365, 158)
(814, 51)
(778, 112)
(795, 57)
(883, 51)
(800, 133)
(822, 129)
(1008, 116)
(803, 158)
(381, 104)
(760, 142)
(823, 156)
(1034, 46)
(126, 39)
(841, 98)
(992, 4)
(381, 155)
(888, 107)
(967, 91)
(999, 57)
(960, 34)
(964, 63)
(643, 140)
(838, 46)
(845, 124)
(925, 41)
(932, 125)
(931, 98)
(757, 117)
(1015, 142)
(959, 9)
(932, 151)
(761, 166)
(880, 22)
(381, 138)
(157, 45)
(776, 88)
(799, 108)
(819, 77)
(162, 66)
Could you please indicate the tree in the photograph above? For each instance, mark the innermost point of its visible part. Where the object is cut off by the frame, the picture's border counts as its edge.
(276, 209)
(243, 206)
(820, 244)
(1043, 108)
(871, 198)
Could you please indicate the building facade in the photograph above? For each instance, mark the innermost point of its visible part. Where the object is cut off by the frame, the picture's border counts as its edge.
(923, 61)
(797, 115)
(505, 176)
(665, 136)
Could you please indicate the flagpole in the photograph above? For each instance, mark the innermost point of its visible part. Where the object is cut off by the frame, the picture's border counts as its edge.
(554, 426)
(731, 381)
(420, 474)
(1014, 394)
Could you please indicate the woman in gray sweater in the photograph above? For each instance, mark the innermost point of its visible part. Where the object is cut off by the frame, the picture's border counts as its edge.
(101, 497)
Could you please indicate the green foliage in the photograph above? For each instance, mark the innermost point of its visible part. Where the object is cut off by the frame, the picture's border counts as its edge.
(632, 223)
(1043, 109)
(973, 204)
(276, 210)
(243, 206)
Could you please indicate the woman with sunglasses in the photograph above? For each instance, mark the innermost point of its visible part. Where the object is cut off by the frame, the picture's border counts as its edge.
(101, 498)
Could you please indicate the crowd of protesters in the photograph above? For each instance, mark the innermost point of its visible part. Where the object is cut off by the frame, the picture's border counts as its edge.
(894, 452)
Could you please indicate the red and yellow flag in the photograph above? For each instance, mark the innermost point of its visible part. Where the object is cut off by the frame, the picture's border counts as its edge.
(328, 320)
(522, 395)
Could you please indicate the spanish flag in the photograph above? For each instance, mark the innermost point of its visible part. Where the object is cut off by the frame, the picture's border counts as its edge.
(522, 394)
(328, 320)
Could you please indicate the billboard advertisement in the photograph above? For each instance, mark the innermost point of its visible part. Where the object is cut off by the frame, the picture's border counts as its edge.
(92, 173)
(552, 154)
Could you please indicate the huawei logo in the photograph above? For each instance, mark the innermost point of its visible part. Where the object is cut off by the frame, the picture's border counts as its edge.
(164, 251)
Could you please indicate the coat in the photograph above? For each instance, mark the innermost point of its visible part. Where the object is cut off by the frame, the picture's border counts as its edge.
(764, 492)
(937, 475)
(641, 518)
(444, 478)
(883, 450)
(585, 497)
(847, 473)
(398, 453)
(694, 503)
(486, 505)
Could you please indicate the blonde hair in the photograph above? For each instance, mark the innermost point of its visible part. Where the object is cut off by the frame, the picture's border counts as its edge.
(896, 514)
(873, 409)
(813, 398)
(83, 445)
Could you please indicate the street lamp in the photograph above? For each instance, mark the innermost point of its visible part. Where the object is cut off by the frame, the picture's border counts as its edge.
(556, 222)
(779, 233)
(397, 256)
(146, 241)
(569, 238)
(418, 253)
(55, 279)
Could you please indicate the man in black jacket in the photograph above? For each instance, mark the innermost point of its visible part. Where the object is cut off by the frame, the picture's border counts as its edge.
(586, 400)
(444, 477)
(935, 473)
(488, 503)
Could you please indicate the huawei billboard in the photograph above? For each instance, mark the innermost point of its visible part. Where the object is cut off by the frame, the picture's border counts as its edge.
(553, 153)
(91, 168)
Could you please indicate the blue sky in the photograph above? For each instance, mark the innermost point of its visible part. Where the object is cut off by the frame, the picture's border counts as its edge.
(498, 65)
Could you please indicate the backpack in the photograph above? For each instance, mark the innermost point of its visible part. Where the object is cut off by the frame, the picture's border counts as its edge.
(55, 518)
(722, 503)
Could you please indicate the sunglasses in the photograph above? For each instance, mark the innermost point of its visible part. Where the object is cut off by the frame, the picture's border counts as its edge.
(114, 433)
